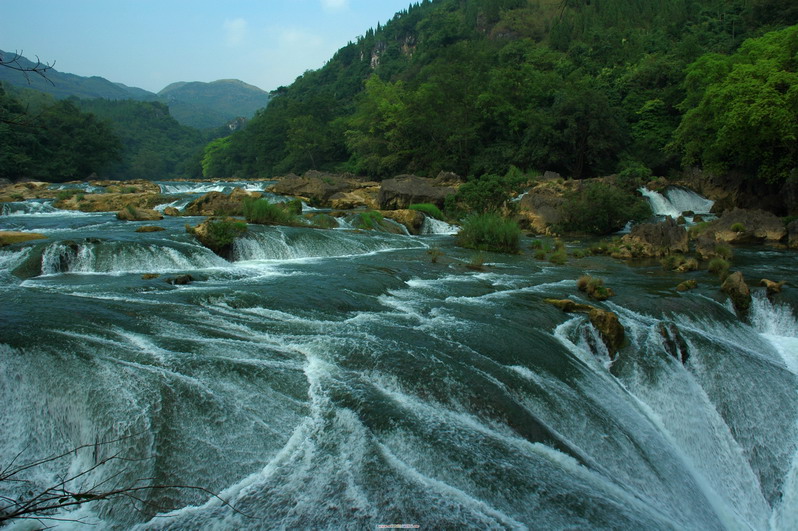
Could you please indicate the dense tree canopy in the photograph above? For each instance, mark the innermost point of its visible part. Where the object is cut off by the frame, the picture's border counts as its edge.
(583, 88)
(59, 143)
(742, 109)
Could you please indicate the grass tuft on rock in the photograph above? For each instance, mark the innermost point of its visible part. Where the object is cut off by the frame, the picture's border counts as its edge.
(489, 232)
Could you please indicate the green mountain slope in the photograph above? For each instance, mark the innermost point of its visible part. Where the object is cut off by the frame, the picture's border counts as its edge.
(62, 85)
(582, 87)
(205, 105)
(195, 104)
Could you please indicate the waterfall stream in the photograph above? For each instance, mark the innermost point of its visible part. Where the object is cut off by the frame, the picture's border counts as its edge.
(345, 379)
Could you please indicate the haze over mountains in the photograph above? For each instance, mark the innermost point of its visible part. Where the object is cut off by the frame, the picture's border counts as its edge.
(196, 104)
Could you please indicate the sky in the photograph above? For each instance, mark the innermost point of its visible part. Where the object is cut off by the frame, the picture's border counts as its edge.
(152, 43)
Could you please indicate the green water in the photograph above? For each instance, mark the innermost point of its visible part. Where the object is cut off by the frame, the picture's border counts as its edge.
(340, 379)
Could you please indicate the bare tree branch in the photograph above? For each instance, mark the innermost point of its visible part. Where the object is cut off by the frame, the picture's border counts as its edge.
(40, 504)
(39, 68)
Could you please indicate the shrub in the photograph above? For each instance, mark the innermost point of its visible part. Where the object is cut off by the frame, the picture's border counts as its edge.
(540, 254)
(578, 253)
(558, 257)
(602, 209)
(633, 176)
(262, 212)
(719, 266)
(594, 288)
(369, 220)
(488, 193)
(723, 251)
(294, 207)
(738, 227)
(429, 209)
(63, 195)
(489, 232)
(536, 244)
(218, 235)
(324, 221)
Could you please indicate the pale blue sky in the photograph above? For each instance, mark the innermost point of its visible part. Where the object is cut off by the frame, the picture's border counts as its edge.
(151, 43)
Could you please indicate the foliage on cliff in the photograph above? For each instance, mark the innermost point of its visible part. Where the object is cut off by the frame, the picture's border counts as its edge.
(57, 143)
(580, 87)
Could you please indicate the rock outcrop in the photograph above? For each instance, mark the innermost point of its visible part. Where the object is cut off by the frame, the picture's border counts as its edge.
(219, 235)
(605, 322)
(131, 213)
(413, 220)
(220, 204)
(792, 234)
(747, 226)
(319, 188)
(366, 197)
(772, 287)
(657, 239)
(405, 190)
(111, 202)
(737, 290)
(541, 207)
(10, 237)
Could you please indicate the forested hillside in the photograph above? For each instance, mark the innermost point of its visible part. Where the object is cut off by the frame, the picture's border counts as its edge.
(52, 140)
(583, 87)
(46, 139)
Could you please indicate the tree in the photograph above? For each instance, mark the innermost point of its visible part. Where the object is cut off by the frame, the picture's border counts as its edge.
(742, 110)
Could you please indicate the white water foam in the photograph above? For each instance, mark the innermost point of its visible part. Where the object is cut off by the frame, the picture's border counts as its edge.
(436, 226)
(675, 201)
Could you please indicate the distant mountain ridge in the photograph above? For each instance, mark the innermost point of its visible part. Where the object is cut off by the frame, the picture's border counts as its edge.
(196, 104)
(205, 105)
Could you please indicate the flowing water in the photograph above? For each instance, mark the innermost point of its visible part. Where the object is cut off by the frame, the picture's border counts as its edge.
(341, 379)
(675, 201)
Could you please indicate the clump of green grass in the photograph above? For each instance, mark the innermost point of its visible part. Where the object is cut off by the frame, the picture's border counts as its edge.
(558, 257)
(429, 209)
(294, 207)
(435, 254)
(738, 227)
(723, 251)
(219, 234)
(263, 212)
(489, 232)
(371, 219)
(719, 266)
(594, 287)
(477, 262)
(63, 195)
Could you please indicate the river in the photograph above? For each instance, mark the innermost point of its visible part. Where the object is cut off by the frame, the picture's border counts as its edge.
(341, 379)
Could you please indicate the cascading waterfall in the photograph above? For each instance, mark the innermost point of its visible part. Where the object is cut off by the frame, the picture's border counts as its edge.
(436, 226)
(124, 257)
(283, 243)
(204, 188)
(341, 379)
(30, 208)
(676, 201)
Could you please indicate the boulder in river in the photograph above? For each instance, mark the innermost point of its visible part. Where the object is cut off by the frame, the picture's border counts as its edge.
(219, 235)
(792, 234)
(413, 220)
(739, 292)
(9, 237)
(747, 226)
(405, 190)
(772, 287)
(132, 213)
(220, 204)
(605, 322)
(652, 240)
